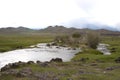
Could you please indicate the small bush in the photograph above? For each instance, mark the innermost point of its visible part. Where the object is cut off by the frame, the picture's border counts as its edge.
(93, 40)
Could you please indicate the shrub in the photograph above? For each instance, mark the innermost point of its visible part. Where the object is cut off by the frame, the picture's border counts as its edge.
(76, 35)
(93, 40)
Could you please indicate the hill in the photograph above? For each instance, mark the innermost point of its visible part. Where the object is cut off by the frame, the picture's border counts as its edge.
(64, 30)
(55, 30)
(12, 30)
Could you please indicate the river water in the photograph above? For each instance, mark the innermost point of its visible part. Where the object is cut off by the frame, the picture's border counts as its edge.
(41, 53)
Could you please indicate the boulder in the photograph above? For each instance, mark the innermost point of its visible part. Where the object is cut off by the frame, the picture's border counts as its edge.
(6, 67)
(56, 60)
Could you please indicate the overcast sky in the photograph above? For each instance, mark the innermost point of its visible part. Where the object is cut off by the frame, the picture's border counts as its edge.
(42, 13)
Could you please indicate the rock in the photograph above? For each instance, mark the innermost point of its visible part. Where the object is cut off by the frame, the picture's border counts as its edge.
(38, 62)
(93, 64)
(41, 76)
(117, 60)
(19, 47)
(22, 63)
(37, 75)
(110, 68)
(58, 47)
(69, 49)
(69, 79)
(12, 65)
(81, 72)
(56, 79)
(84, 59)
(10, 72)
(15, 65)
(6, 67)
(56, 60)
(113, 50)
(45, 64)
(54, 44)
(48, 45)
(26, 72)
(74, 48)
(13, 71)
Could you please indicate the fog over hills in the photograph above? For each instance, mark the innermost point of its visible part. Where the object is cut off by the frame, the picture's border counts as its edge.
(83, 23)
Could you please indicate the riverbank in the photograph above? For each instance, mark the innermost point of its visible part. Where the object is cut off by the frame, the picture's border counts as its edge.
(13, 42)
(87, 65)
(77, 70)
(40, 52)
(84, 66)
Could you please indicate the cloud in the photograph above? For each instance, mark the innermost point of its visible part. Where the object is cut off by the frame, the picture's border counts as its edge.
(41, 13)
(86, 5)
(38, 12)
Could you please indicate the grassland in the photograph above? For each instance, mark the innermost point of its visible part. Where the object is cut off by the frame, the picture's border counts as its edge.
(87, 65)
(11, 42)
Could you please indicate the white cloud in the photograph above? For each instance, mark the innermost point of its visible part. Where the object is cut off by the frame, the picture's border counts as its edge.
(40, 13)
(106, 11)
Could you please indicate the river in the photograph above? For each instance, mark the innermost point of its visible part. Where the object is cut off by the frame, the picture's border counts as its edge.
(41, 52)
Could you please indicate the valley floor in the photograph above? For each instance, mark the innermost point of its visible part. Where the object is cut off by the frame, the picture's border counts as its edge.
(87, 65)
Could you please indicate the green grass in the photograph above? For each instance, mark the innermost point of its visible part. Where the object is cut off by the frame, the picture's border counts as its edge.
(76, 69)
(15, 42)
(71, 70)
(94, 56)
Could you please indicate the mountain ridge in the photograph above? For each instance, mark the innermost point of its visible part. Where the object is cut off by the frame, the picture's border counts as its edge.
(55, 30)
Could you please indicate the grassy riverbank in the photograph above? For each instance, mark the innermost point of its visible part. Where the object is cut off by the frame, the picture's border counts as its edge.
(12, 42)
(87, 65)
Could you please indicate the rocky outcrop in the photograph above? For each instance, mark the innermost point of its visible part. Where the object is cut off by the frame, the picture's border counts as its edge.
(13, 65)
(22, 64)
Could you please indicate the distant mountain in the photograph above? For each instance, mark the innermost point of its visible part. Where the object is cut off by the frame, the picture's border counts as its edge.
(12, 30)
(57, 30)
(54, 29)
(64, 30)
